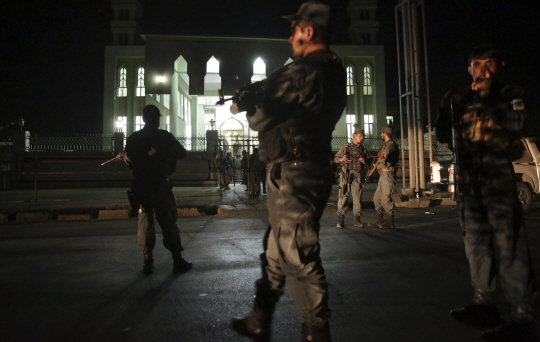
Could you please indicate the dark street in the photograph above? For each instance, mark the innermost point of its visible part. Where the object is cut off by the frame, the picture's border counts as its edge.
(82, 281)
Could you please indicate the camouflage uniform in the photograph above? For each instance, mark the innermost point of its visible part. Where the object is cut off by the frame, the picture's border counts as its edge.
(350, 180)
(490, 212)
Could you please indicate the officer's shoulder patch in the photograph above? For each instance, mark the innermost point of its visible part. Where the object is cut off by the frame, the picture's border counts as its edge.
(345, 145)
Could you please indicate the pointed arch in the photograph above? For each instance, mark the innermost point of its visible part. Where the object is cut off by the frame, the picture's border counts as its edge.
(212, 80)
(350, 80)
(259, 70)
(140, 91)
(121, 89)
(368, 84)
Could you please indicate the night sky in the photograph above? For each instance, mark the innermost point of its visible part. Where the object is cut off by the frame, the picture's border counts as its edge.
(52, 60)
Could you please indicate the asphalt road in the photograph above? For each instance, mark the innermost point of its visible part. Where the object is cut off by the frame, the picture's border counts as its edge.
(81, 281)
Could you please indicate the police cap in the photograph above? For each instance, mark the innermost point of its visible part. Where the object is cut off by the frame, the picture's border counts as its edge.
(387, 130)
(312, 11)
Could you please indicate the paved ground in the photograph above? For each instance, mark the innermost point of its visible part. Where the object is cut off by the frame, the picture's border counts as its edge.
(81, 281)
(91, 201)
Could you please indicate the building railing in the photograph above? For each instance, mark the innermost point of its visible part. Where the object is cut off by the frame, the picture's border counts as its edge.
(193, 143)
(73, 142)
(106, 143)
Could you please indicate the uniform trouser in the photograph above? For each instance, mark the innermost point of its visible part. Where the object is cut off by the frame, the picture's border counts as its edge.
(158, 199)
(254, 182)
(353, 188)
(383, 195)
(224, 180)
(297, 196)
(495, 238)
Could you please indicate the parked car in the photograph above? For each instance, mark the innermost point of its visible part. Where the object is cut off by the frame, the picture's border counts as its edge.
(527, 169)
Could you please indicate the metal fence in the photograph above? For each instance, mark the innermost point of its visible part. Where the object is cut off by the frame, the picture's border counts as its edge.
(74, 142)
(105, 142)
(193, 143)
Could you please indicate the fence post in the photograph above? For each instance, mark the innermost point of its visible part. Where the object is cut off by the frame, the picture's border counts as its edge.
(211, 142)
(118, 142)
(20, 143)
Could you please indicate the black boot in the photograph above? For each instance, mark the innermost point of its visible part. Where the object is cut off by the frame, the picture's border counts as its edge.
(148, 266)
(481, 312)
(180, 265)
(377, 222)
(316, 334)
(357, 222)
(257, 325)
(520, 328)
(341, 222)
(387, 221)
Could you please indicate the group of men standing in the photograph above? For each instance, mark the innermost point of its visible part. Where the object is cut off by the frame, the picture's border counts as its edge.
(354, 159)
(295, 111)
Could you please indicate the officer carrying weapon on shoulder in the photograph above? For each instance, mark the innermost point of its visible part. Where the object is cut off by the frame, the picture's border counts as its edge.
(353, 158)
(386, 165)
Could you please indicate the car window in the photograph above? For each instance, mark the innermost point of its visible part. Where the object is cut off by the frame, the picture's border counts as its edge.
(526, 157)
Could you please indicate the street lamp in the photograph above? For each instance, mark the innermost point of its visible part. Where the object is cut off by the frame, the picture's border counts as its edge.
(212, 123)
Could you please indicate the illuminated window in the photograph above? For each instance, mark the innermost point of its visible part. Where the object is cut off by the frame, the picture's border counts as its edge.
(368, 88)
(139, 123)
(122, 84)
(186, 111)
(166, 100)
(212, 66)
(350, 119)
(350, 81)
(180, 109)
(389, 120)
(368, 124)
(121, 124)
(168, 123)
(140, 82)
(259, 70)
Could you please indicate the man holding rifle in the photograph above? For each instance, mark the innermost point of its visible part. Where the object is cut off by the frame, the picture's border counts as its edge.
(482, 123)
(353, 158)
(386, 166)
(295, 111)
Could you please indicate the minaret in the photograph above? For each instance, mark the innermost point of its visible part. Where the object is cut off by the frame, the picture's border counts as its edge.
(125, 24)
(364, 26)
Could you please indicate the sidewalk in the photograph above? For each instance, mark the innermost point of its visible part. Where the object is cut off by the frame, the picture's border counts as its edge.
(112, 203)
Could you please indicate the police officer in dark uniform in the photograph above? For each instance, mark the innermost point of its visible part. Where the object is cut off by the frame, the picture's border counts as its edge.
(295, 111)
(486, 118)
(353, 158)
(153, 153)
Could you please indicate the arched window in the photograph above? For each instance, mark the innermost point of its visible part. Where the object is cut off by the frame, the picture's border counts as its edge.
(212, 80)
(122, 84)
(350, 81)
(212, 66)
(368, 88)
(259, 70)
(140, 81)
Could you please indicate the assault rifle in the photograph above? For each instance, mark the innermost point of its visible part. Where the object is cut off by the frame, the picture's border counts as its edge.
(381, 157)
(121, 156)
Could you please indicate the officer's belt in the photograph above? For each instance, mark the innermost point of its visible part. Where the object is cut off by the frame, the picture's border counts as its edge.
(391, 168)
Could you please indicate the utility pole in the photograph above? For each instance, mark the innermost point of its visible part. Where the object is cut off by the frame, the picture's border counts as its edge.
(413, 89)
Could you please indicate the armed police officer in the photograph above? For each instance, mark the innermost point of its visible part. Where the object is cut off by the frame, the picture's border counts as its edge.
(295, 111)
(353, 158)
(386, 166)
(153, 153)
(482, 123)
